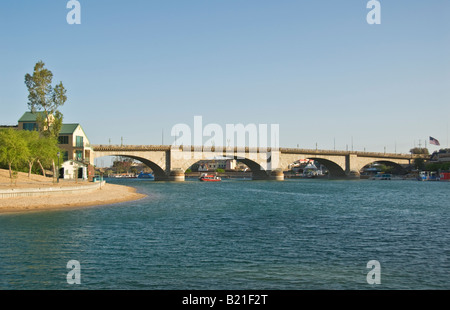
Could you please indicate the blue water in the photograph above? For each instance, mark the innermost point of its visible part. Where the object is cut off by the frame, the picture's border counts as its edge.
(236, 234)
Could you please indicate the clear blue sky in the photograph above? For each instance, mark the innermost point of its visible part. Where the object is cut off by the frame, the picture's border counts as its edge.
(316, 68)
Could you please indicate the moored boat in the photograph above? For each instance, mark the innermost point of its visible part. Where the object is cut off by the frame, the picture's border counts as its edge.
(209, 178)
(428, 176)
(382, 176)
(444, 176)
(143, 175)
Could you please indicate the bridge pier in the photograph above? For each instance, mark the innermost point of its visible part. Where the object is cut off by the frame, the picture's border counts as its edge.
(176, 175)
(277, 175)
(274, 175)
(353, 175)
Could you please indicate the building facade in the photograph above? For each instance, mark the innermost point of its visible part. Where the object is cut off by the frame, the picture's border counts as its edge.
(75, 144)
(213, 164)
(76, 152)
(72, 139)
(72, 169)
(28, 121)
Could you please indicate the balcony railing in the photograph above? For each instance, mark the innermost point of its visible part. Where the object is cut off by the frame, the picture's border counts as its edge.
(79, 145)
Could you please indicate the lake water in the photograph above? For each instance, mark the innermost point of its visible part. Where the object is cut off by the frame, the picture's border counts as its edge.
(238, 235)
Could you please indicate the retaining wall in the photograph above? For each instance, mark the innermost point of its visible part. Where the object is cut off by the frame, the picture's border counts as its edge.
(46, 191)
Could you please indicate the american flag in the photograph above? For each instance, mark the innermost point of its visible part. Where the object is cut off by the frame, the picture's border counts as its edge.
(434, 141)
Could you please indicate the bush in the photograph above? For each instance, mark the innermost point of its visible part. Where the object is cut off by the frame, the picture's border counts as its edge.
(419, 150)
(437, 166)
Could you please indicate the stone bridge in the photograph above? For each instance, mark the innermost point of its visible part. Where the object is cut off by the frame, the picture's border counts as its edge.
(169, 163)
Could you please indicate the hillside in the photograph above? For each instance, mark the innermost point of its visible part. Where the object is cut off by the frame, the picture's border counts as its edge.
(33, 181)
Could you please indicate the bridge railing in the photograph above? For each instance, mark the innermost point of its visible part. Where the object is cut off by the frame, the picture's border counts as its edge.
(254, 150)
(102, 147)
(358, 153)
(180, 147)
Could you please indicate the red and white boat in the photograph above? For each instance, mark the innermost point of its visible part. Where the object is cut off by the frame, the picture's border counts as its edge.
(209, 178)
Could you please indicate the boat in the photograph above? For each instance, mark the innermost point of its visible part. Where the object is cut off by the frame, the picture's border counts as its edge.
(143, 175)
(209, 178)
(382, 176)
(444, 176)
(124, 176)
(428, 176)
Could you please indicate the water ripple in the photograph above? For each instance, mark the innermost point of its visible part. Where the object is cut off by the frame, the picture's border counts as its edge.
(238, 235)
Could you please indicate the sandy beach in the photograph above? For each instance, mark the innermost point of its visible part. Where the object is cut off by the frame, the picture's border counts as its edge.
(108, 194)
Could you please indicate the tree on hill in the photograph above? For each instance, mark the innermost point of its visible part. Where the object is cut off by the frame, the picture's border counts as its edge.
(20, 150)
(13, 149)
(46, 98)
(47, 153)
(32, 140)
(41, 150)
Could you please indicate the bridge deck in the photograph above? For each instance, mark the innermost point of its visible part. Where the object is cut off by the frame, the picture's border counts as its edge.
(134, 148)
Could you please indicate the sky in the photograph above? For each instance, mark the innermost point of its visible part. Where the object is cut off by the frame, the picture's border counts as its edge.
(135, 69)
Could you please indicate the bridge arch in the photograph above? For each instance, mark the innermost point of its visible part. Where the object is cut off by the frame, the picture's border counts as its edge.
(398, 168)
(334, 169)
(158, 172)
(336, 165)
(258, 172)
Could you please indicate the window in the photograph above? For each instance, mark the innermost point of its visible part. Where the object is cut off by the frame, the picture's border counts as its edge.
(29, 126)
(63, 139)
(79, 155)
(65, 156)
(79, 141)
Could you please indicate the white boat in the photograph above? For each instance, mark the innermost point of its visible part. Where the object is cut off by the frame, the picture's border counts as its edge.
(428, 176)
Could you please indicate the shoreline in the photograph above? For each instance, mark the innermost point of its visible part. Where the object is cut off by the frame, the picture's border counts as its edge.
(108, 194)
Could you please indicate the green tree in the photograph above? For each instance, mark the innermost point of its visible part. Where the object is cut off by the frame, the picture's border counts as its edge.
(123, 164)
(47, 153)
(419, 150)
(13, 149)
(41, 150)
(45, 98)
(386, 168)
(437, 166)
(32, 141)
(419, 163)
(382, 167)
(432, 167)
